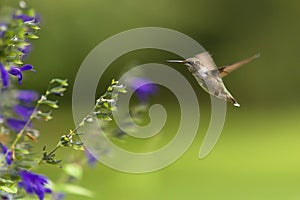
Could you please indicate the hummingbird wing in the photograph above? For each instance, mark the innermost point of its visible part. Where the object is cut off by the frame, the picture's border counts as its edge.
(206, 60)
(224, 71)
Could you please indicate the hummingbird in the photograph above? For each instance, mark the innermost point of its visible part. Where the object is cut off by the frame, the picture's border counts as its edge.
(209, 76)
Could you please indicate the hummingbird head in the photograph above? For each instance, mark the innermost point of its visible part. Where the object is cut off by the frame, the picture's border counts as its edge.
(192, 62)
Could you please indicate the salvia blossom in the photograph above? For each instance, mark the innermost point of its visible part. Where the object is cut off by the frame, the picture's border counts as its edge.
(26, 50)
(15, 124)
(18, 71)
(8, 157)
(26, 18)
(34, 183)
(26, 96)
(91, 159)
(4, 76)
(144, 88)
(3, 28)
(23, 111)
(58, 196)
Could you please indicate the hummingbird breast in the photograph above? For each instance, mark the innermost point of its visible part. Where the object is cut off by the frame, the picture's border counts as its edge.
(212, 83)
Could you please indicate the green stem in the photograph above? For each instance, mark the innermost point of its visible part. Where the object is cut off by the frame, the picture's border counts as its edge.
(41, 160)
(20, 134)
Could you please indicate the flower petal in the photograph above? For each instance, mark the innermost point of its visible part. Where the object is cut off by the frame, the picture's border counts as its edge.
(27, 96)
(23, 111)
(91, 159)
(24, 18)
(26, 67)
(8, 157)
(34, 183)
(4, 76)
(14, 71)
(15, 124)
(144, 88)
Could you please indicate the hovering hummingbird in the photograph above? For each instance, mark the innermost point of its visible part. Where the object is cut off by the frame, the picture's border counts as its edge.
(210, 77)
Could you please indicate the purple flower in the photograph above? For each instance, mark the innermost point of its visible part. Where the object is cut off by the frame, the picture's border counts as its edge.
(24, 18)
(3, 28)
(91, 159)
(23, 111)
(18, 71)
(144, 88)
(34, 183)
(27, 18)
(27, 96)
(4, 76)
(1, 119)
(8, 157)
(15, 124)
(26, 50)
(58, 196)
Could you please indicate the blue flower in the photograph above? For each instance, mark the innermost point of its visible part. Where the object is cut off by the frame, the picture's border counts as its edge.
(27, 18)
(144, 88)
(91, 159)
(34, 183)
(4, 76)
(18, 71)
(15, 124)
(26, 50)
(23, 111)
(8, 157)
(3, 28)
(27, 96)
(58, 196)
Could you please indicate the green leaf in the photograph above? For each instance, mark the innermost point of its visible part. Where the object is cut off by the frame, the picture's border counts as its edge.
(5, 181)
(58, 90)
(105, 117)
(44, 116)
(18, 62)
(31, 35)
(52, 104)
(77, 190)
(73, 170)
(63, 82)
(32, 25)
(9, 188)
(120, 88)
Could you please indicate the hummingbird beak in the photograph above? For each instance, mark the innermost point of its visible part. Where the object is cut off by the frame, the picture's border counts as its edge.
(176, 61)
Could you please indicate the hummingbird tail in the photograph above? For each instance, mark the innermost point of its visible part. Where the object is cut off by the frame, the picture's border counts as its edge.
(233, 101)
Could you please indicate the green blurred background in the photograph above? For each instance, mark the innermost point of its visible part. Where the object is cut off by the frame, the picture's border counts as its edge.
(258, 154)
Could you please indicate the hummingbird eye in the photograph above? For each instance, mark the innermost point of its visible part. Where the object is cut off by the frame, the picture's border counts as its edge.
(190, 62)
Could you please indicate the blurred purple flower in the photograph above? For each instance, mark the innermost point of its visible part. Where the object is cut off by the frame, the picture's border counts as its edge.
(4, 76)
(18, 71)
(27, 96)
(26, 50)
(24, 18)
(15, 124)
(34, 183)
(1, 118)
(3, 28)
(8, 157)
(27, 18)
(23, 111)
(91, 159)
(58, 196)
(144, 88)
